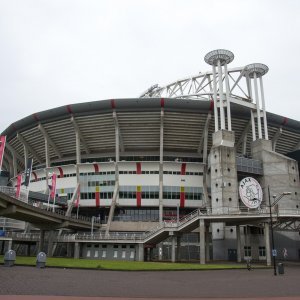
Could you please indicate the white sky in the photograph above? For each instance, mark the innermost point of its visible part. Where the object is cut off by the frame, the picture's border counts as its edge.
(59, 52)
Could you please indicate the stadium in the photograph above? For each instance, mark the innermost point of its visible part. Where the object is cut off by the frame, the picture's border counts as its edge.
(162, 175)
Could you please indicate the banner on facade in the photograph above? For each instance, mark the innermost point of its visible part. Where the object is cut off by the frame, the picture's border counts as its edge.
(18, 186)
(77, 196)
(28, 172)
(250, 192)
(53, 186)
(2, 147)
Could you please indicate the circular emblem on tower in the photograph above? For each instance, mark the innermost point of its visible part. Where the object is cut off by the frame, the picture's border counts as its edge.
(250, 192)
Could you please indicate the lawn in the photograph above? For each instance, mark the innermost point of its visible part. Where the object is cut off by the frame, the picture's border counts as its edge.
(124, 265)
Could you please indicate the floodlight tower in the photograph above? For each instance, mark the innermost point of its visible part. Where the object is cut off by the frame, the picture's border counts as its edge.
(255, 71)
(220, 58)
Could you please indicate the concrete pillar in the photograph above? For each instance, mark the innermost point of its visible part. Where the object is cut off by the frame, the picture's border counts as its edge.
(221, 95)
(9, 244)
(69, 249)
(257, 107)
(50, 243)
(238, 243)
(227, 97)
(15, 165)
(202, 241)
(140, 252)
(215, 99)
(178, 242)
(78, 153)
(77, 250)
(160, 251)
(28, 249)
(42, 241)
(267, 243)
(264, 108)
(173, 249)
(25, 157)
(207, 243)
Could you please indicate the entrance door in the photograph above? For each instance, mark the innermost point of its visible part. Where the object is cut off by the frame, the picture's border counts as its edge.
(232, 255)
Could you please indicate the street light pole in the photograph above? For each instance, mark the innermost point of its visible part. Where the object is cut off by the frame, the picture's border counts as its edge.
(274, 253)
(272, 235)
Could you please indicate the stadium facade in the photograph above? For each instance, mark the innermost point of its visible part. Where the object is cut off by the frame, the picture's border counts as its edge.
(141, 162)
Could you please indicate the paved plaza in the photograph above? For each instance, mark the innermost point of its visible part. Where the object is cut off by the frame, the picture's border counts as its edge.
(152, 284)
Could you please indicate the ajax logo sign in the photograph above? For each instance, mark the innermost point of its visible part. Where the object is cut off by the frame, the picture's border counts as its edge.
(250, 192)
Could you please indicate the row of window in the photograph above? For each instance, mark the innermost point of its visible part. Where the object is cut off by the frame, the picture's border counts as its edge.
(101, 183)
(122, 172)
(103, 195)
(248, 252)
(115, 254)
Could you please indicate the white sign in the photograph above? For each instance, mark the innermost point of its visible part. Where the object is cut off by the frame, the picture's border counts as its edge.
(250, 192)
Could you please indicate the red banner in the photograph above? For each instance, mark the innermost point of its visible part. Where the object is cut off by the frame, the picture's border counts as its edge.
(78, 197)
(18, 186)
(2, 147)
(53, 189)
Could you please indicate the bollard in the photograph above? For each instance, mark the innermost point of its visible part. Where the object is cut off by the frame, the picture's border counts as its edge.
(41, 260)
(9, 258)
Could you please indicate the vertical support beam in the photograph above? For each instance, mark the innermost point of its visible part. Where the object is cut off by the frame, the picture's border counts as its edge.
(50, 243)
(173, 250)
(76, 250)
(238, 244)
(140, 252)
(15, 165)
(47, 152)
(9, 244)
(257, 108)
(264, 108)
(207, 254)
(25, 157)
(227, 98)
(215, 99)
(221, 95)
(161, 161)
(78, 153)
(202, 241)
(267, 243)
(253, 126)
(178, 242)
(42, 240)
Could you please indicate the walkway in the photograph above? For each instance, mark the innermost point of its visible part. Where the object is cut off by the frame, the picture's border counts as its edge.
(155, 284)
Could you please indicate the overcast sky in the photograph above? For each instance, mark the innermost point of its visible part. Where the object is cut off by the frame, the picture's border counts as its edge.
(61, 52)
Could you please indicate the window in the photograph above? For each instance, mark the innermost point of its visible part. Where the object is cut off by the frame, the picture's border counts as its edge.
(262, 251)
(96, 254)
(247, 250)
(123, 254)
(88, 253)
(103, 253)
(115, 254)
(132, 254)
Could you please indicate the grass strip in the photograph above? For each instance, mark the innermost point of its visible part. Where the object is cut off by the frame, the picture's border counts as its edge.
(125, 265)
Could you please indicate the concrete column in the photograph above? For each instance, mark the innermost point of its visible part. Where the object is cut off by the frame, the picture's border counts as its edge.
(9, 244)
(264, 108)
(69, 249)
(15, 165)
(215, 99)
(77, 250)
(140, 252)
(78, 153)
(227, 97)
(207, 243)
(238, 243)
(267, 243)
(42, 241)
(25, 157)
(178, 257)
(50, 243)
(47, 153)
(202, 241)
(173, 250)
(222, 114)
(257, 107)
(160, 251)
(253, 126)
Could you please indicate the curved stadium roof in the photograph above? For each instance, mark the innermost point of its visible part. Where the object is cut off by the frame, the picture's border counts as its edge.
(139, 124)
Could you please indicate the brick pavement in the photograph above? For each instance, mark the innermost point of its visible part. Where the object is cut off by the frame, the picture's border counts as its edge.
(172, 284)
